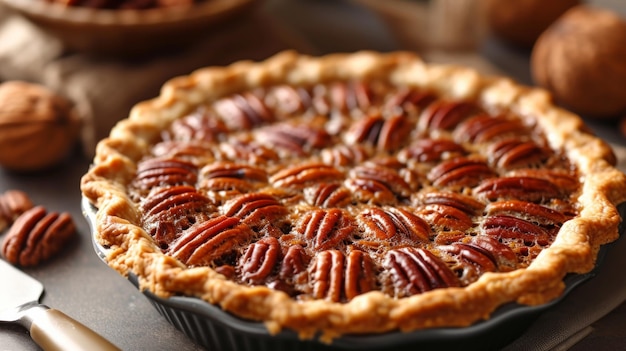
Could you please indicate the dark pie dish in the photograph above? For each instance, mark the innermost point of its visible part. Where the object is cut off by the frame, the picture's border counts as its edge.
(360, 195)
(211, 327)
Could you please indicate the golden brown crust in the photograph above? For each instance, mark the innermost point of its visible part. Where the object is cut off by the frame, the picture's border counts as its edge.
(131, 249)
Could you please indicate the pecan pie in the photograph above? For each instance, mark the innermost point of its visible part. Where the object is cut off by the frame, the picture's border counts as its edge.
(353, 193)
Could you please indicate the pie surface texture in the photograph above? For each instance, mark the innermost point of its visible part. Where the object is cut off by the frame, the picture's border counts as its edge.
(353, 193)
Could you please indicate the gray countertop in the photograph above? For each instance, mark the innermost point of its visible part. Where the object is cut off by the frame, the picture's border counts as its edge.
(82, 286)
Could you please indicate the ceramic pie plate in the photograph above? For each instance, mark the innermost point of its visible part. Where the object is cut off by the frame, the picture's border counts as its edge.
(215, 329)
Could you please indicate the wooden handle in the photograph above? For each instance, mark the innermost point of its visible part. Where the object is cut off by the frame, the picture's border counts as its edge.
(53, 330)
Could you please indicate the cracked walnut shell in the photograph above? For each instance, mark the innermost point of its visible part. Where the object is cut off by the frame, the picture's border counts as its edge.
(37, 127)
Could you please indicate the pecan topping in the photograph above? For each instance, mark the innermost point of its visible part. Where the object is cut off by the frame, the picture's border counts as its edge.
(484, 128)
(386, 134)
(164, 172)
(37, 235)
(564, 180)
(461, 172)
(302, 174)
(255, 208)
(390, 222)
(481, 254)
(508, 227)
(243, 111)
(387, 177)
(527, 210)
(203, 242)
(327, 275)
(446, 115)
(185, 150)
(328, 195)
(12, 204)
(296, 139)
(232, 176)
(409, 100)
(259, 260)
(254, 153)
(294, 263)
(168, 211)
(360, 274)
(522, 188)
(462, 202)
(515, 153)
(343, 155)
(415, 270)
(335, 276)
(200, 125)
(326, 228)
(445, 217)
(431, 150)
(350, 96)
(286, 100)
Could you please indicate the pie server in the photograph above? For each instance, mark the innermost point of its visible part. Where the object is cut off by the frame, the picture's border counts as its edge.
(51, 329)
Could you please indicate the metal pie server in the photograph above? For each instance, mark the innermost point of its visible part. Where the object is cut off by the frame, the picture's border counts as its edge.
(51, 329)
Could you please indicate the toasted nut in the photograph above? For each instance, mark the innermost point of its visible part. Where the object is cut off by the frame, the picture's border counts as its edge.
(37, 235)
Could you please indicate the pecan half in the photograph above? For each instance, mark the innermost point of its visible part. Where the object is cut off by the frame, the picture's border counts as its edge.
(431, 150)
(523, 188)
(168, 211)
(164, 172)
(443, 114)
(250, 151)
(515, 153)
(415, 270)
(483, 128)
(242, 111)
(37, 235)
(12, 204)
(294, 263)
(259, 260)
(385, 134)
(199, 125)
(206, 241)
(343, 155)
(295, 139)
(445, 218)
(462, 202)
(390, 222)
(303, 174)
(409, 100)
(221, 176)
(386, 176)
(197, 150)
(255, 208)
(328, 195)
(326, 228)
(508, 227)
(286, 100)
(527, 210)
(360, 274)
(460, 172)
(327, 275)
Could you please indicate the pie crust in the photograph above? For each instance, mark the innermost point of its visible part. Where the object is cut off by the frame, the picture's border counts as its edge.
(540, 192)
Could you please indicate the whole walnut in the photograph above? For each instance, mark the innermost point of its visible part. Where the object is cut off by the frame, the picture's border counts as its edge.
(37, 126)
(520, 22)
(581, 59)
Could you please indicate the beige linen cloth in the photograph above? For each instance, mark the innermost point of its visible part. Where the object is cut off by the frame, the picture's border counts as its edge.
(105, 90)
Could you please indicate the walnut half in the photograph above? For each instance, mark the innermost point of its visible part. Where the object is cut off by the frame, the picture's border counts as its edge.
(37, 127)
